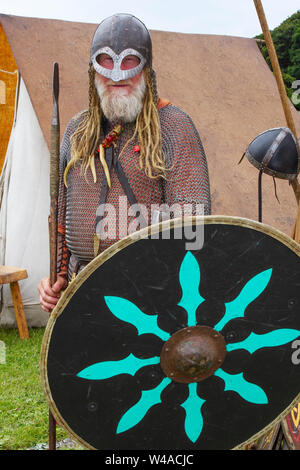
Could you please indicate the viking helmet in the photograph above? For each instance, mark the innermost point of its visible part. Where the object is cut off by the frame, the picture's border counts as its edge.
(276, 153)
(118, 36)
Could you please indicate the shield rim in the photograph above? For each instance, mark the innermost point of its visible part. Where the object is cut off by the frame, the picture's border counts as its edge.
(111, 251)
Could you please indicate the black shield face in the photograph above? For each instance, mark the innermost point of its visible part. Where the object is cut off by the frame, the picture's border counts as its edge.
(101, 355)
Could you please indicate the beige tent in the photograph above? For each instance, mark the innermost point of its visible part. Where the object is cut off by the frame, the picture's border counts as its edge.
(222, 82)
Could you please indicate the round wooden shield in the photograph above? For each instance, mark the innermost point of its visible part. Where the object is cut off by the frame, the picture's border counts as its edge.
(166, 341)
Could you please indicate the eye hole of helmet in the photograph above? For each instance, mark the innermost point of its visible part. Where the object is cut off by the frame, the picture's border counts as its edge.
(130, 62)
(105, 61)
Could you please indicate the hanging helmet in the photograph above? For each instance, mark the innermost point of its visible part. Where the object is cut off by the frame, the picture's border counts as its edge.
(118, 36)
(276, 153)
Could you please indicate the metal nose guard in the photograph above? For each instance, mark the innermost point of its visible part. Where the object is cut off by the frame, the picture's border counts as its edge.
(116, 74)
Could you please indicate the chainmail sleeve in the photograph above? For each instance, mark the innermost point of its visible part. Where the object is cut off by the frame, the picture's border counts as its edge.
(187, 181)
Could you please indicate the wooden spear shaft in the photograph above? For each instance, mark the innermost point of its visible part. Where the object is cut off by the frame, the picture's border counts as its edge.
(54, 169)
(54, 172)
(280, 84)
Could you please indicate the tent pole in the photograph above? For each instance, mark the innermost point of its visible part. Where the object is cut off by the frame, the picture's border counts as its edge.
(54, 171)
(284, 101)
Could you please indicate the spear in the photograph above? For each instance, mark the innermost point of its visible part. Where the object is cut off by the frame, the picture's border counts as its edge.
(54, 171)
(284, 101)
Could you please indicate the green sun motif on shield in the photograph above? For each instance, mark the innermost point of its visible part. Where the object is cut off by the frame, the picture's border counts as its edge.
(191, 299)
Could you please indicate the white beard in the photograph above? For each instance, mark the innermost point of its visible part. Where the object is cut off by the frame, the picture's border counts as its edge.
(120, 106)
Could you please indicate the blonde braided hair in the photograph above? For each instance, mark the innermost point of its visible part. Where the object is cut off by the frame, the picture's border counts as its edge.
(86, 138)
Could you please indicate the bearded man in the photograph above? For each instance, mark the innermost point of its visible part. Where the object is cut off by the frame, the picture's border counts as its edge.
(129, 149)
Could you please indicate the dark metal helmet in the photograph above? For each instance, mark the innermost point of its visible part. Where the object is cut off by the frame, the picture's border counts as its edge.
(118, 36)
(276, 153)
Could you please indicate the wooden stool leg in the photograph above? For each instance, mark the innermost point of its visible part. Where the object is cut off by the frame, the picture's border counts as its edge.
(19, 310)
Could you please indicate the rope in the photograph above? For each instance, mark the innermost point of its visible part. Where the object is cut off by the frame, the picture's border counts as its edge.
(6, 71)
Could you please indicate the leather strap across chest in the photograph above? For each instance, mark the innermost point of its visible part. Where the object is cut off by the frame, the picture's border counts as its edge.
(113, 161)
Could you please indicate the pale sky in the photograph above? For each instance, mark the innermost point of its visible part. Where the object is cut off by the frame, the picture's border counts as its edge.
(229, 17)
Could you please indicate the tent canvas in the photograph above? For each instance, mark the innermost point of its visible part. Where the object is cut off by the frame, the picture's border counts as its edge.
(222, 82)
(24, 233)
(8, 87)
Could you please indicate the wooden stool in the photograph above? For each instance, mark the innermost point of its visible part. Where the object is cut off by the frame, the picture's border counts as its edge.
(10, 275)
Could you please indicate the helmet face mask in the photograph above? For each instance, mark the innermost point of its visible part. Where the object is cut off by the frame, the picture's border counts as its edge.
(117, 74)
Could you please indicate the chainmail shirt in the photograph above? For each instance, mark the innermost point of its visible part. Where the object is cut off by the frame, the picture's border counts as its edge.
(187, 183)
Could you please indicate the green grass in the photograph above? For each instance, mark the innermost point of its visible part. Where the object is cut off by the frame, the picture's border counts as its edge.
(23, 407)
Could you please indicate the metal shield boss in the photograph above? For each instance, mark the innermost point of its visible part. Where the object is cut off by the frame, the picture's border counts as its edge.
(159, 344)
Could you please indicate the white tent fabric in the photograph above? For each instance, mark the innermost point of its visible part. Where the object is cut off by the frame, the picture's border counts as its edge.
(25, 202)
